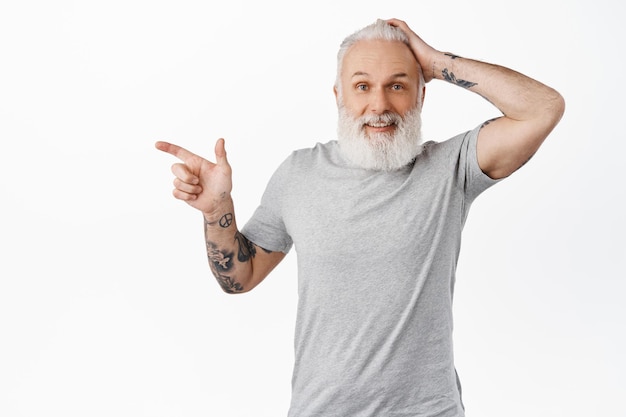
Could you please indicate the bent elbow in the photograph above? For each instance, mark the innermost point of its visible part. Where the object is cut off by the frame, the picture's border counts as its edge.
(550, 116)
(556, 107)
(230, 286)
(230, 291)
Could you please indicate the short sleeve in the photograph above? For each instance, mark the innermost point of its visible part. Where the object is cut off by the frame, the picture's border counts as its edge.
(266, 227)
(474, 180)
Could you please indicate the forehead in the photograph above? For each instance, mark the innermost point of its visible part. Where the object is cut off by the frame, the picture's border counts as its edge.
(379, 58)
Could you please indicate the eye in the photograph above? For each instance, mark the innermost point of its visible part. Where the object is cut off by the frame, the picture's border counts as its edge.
(397, 87)
(361, 87)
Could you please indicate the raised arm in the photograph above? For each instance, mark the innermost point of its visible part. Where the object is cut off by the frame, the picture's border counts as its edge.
(530, 109)
(238, 264)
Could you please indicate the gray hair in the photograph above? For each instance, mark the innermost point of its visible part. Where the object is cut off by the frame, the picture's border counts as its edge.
(379, 30)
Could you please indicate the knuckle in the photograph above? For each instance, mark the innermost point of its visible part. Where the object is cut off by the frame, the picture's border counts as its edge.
(187, 188)
(180, 195)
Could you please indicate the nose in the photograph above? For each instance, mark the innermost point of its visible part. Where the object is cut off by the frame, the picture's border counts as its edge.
(379, 102)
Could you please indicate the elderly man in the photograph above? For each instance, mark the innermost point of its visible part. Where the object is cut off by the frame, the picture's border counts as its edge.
(376, 220)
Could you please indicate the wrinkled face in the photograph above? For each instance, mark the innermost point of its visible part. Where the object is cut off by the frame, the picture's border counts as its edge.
(379, 125)
(379, 77)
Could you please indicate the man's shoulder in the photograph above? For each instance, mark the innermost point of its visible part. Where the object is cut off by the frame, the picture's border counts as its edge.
(319, 148)
(450, 145)
(320, 153)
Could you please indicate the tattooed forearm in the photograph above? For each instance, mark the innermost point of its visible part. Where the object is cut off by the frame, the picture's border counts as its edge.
(220, 263)
(226, 220)
(452, 56)
(449, 76)
(246, 250)
(230, 255)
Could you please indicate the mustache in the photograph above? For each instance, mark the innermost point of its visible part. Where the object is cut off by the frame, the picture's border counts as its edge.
(385, 118)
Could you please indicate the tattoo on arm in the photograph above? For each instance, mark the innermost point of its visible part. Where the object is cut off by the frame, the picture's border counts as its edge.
(226, 220)
(220, 263)
(452, 56)
(246, 250)
(449, 76)
(489, 121)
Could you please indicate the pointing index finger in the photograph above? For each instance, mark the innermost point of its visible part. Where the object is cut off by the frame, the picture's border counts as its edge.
(178, 151)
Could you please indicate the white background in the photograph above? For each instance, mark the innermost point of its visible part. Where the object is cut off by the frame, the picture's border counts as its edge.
(107, 305)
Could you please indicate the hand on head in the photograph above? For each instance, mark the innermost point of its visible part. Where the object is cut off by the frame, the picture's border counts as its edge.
(199, 182)
(424, 53)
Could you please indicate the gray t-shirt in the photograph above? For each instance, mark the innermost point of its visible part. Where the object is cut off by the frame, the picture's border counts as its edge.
(377, 254)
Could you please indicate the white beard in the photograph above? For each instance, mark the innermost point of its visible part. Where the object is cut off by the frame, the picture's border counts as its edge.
(380, 151)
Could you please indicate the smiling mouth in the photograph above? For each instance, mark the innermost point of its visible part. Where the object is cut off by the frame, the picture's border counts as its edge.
(380, 124)
(380, 127)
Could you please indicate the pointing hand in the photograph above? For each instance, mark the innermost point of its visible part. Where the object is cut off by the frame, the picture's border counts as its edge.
(199, 182)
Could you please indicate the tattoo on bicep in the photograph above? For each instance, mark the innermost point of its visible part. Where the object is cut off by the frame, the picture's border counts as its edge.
(449, 77)
(246, 250)
(220, 263)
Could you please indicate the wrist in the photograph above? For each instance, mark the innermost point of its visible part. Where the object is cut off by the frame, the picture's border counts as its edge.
(438, 63)
(222, 210)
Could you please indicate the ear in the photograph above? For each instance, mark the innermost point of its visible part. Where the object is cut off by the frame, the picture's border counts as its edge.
(336, 94)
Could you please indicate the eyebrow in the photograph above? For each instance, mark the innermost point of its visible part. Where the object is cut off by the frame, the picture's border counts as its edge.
(394, 76)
